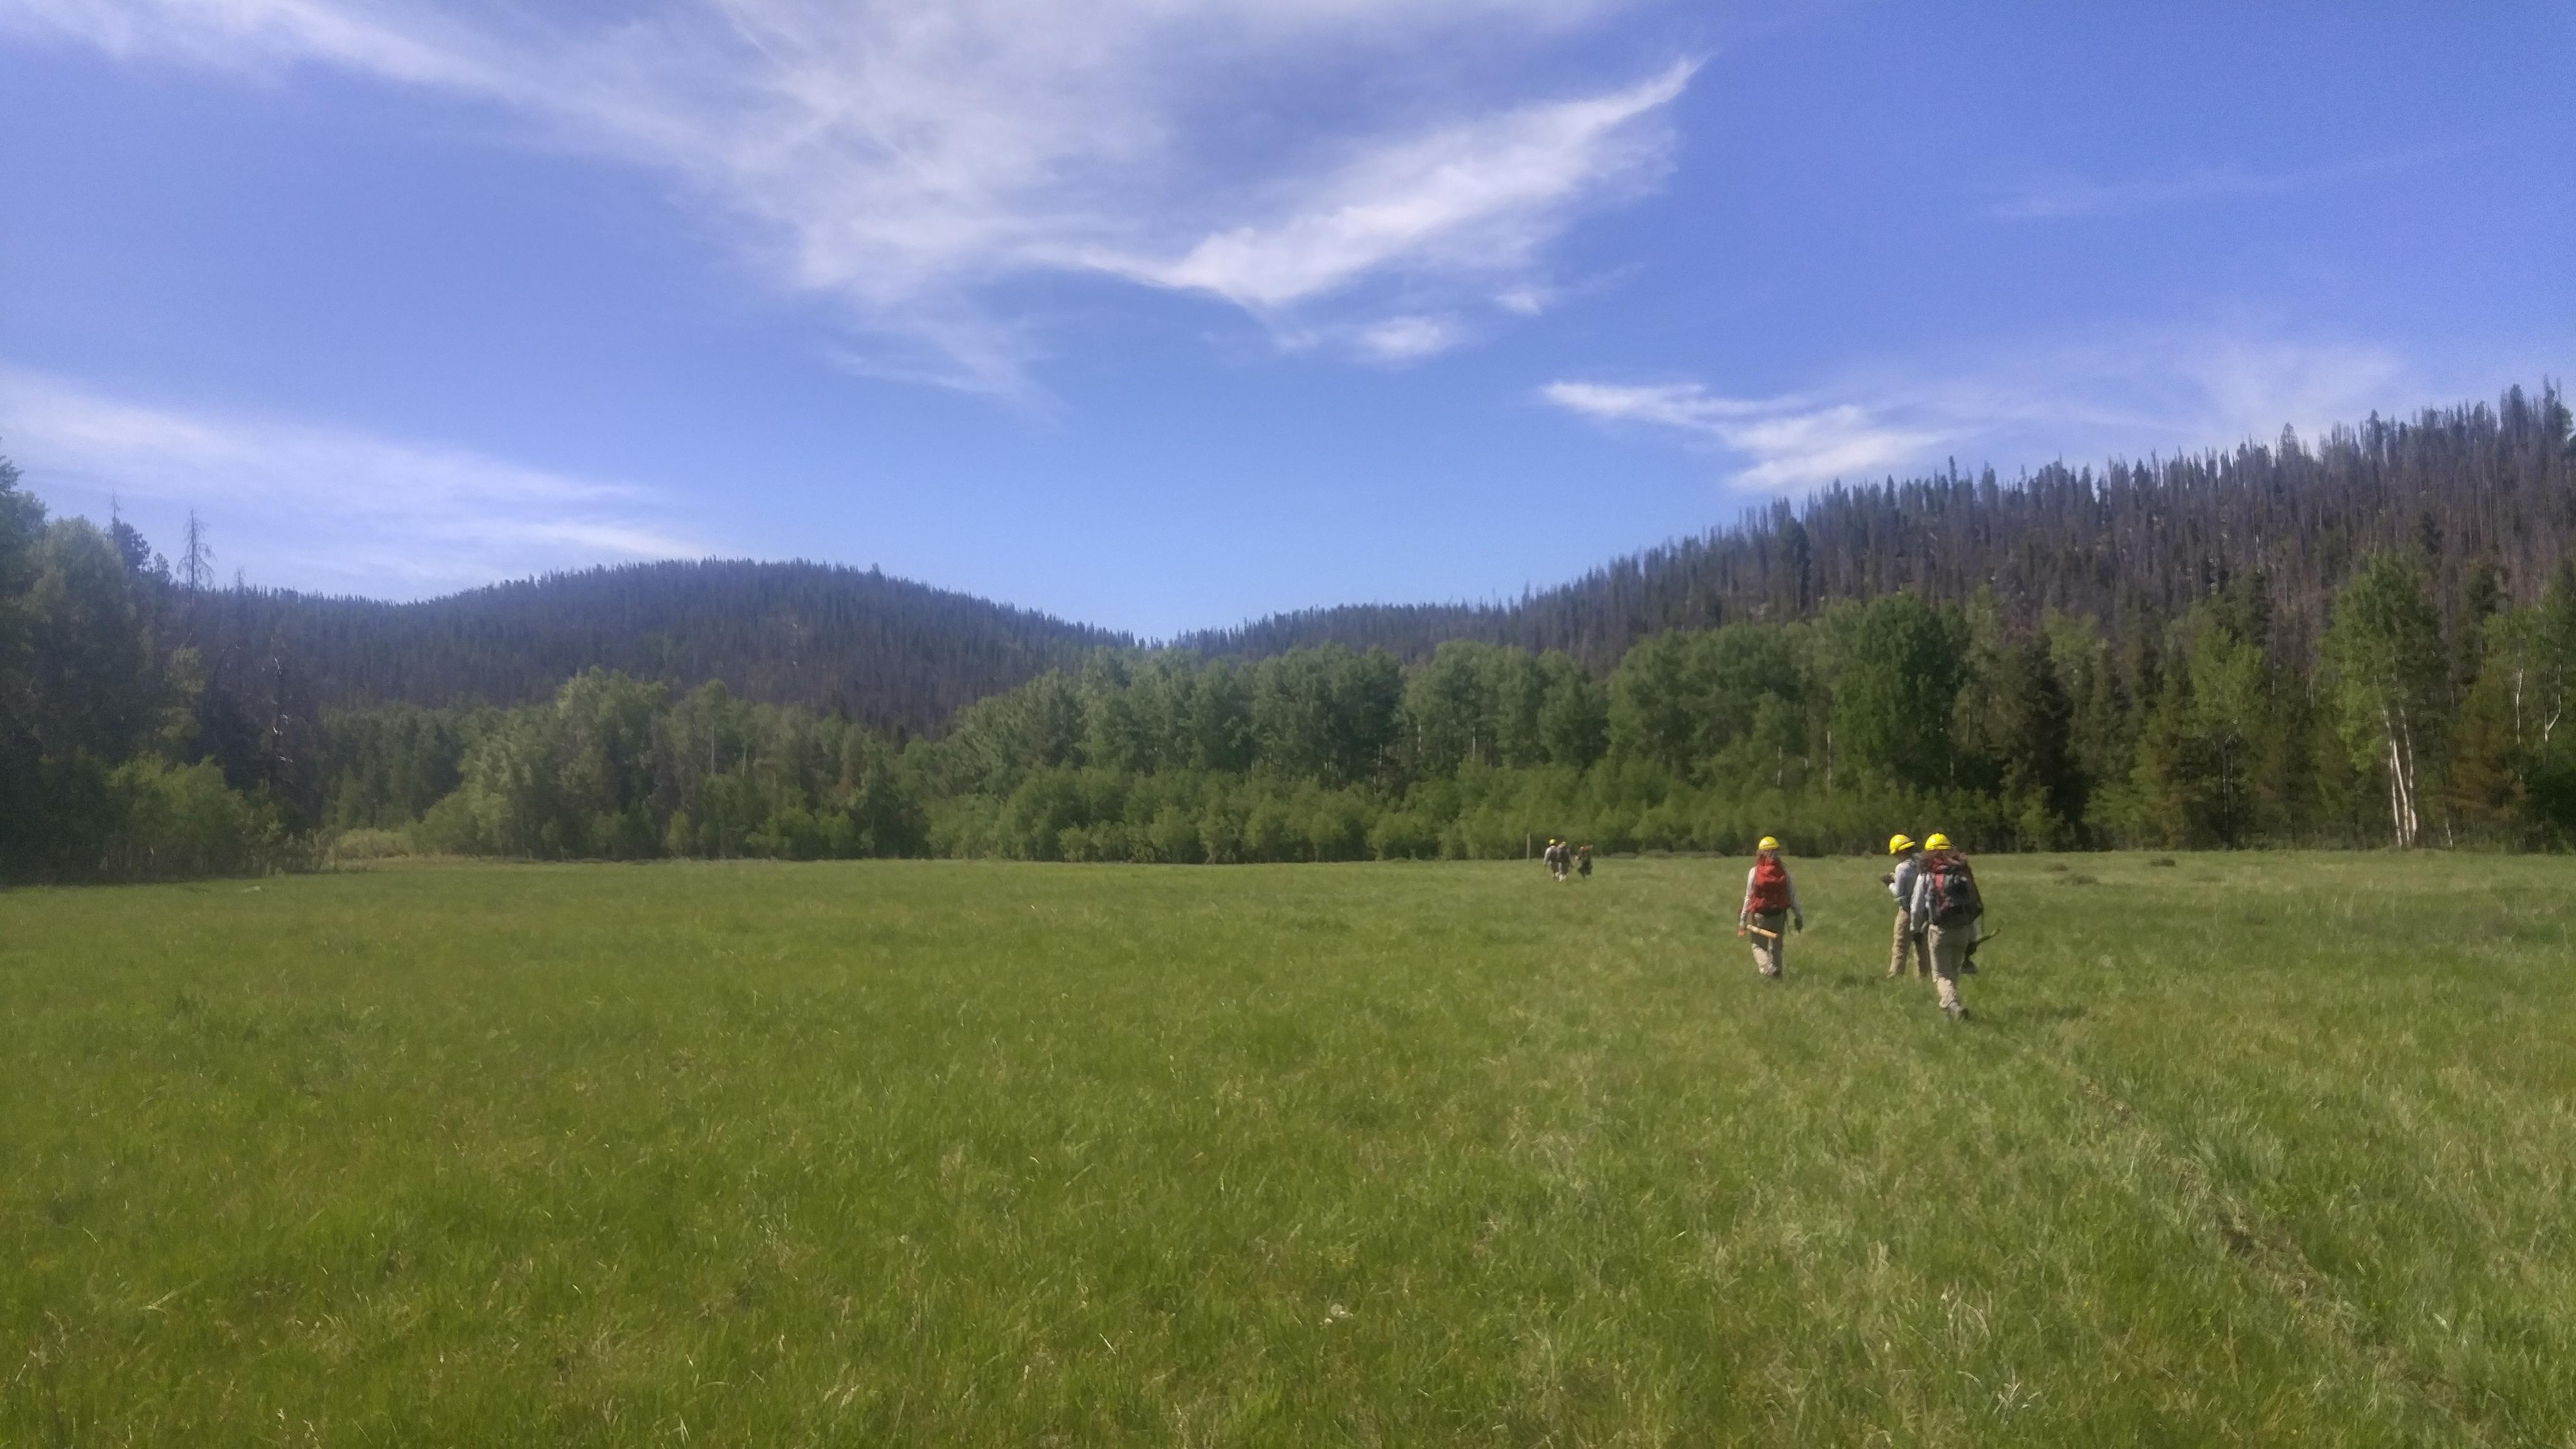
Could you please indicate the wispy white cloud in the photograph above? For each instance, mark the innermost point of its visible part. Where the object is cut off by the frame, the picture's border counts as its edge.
(1478, 196)
(1787, 444)
(322, 508)
(255, 35)
(2253, 388)
(1408, 338)
(906, 156)
(2149, 394)
(1674, 405)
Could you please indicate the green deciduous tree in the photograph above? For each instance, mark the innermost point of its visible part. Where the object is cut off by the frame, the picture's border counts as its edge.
(2513, 761)
(2386, 679)
(1573, 711)
(1454, 708)
(1898, 667)
(1679, 699)
(1329, 714)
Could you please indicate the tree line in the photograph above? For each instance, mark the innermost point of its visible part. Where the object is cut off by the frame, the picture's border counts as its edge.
(1831, 732)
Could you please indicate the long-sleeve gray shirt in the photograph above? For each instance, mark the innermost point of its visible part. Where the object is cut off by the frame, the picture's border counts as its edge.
(1918, 899)
(1903, 886)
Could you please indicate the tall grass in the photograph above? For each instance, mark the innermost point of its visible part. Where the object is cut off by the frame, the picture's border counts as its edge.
(2257, 1150)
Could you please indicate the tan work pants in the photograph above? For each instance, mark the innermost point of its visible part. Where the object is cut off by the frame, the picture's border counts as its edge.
(1949, 953)
(1770, 953)
(1907, 945)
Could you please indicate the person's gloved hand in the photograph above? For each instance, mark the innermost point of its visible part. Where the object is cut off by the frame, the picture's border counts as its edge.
(1799, 921)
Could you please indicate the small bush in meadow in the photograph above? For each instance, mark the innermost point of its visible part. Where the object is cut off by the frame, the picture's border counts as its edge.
(361, 845)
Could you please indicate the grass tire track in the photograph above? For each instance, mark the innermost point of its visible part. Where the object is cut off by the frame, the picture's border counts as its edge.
(2264, 1248)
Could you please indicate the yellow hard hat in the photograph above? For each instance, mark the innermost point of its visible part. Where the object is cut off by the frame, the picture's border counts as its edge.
(1769, 842)
(1899, 843)
(1938, 841)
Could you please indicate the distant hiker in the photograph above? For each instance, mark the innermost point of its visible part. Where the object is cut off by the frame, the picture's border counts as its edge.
(1946, 907)
(1556, 858)
(1770, 903)
(1583, 861)
(1900, 884)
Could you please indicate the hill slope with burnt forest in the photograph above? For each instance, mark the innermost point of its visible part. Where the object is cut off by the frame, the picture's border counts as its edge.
(2483, 498)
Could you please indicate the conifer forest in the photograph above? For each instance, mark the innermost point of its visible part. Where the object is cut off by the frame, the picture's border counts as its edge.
(2364, 640)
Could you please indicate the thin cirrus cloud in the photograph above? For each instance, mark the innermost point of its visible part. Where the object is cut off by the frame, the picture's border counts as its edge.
(338, 510)
(2145, 395)
(907, 157)
(1787, 444)
(1479, 196)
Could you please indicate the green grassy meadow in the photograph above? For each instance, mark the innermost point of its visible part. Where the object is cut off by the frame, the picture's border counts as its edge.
(2264, 1149)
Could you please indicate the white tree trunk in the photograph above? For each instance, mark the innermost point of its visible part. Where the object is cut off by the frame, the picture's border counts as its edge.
(2415, 795)
(2401, 780)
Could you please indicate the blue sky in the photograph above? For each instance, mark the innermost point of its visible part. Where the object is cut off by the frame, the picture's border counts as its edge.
(1169, 313)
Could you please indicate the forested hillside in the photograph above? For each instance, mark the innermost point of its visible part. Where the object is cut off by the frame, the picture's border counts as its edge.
(2481, 498)
(2370, 642)
(886, 652)
(2373, 642)
(1894, 714)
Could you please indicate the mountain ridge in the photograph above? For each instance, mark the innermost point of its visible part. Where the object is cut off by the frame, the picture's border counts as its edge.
(889, 652)
(2474, 489)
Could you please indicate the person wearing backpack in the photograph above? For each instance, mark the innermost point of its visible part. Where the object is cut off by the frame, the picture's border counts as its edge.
(1950, 912)
(1770, 903)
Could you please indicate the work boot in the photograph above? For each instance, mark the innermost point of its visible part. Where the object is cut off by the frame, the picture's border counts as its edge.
(1955, 1011)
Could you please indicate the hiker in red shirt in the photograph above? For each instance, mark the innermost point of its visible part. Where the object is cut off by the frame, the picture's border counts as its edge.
(1770, 905)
